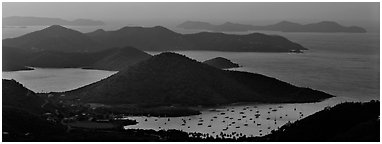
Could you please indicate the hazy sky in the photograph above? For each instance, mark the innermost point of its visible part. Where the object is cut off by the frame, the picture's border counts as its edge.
(350, 13)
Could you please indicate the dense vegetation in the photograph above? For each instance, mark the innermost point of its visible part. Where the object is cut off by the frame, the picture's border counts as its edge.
(221, 63)
(111, 59)
(344, 122)
(16, 95)
(58, 38)
(21, 113)
(29, 117)
(170, 79)
(20, 125)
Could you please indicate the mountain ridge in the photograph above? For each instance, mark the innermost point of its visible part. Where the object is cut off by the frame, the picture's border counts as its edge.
(114, 59)
(54, 38)
(58, 38)
(283, 26)
(44, 21)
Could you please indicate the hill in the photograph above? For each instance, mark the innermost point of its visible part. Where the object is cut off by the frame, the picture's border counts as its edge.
(221, 63)
(255, 42)
(44, 21)
(147, 39)
(324, 26)
(21, 114)
(54, 38)
(17, 96)
(173, 79)
(344, 122)
(114, 59)
(162, 39)
(284, 26)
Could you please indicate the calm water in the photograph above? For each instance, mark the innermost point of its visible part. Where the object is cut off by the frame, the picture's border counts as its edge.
(345, 65)
(56, 80)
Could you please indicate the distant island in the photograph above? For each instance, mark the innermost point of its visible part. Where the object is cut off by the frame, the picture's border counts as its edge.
(283, 26)
(221, 63)
(59, 38)
(45, 21)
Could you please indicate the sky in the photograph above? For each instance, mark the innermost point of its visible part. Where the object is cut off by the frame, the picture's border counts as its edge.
(249, 13)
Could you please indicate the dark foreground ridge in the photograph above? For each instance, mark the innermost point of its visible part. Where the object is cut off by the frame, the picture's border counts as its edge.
(170, 79)
(222, 63)
(345, 122)
(44, 120)
(59, 38)
(22, 114)
(27, 116)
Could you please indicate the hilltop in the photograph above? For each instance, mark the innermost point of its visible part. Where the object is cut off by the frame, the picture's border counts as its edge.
(54, 38)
